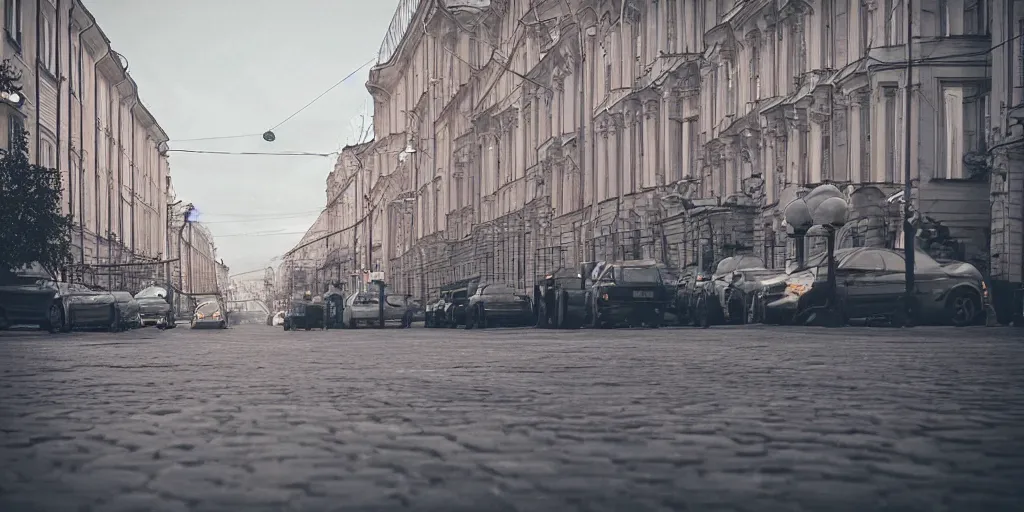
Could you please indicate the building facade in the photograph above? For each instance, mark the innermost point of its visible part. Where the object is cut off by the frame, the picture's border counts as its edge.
(85, 119)
(515, 137)
(1006, 128)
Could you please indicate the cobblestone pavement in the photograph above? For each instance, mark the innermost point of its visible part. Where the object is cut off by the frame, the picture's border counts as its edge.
(253, 418)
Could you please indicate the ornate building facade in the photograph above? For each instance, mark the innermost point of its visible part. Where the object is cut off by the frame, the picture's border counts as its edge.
(515, 137)
(85, 118)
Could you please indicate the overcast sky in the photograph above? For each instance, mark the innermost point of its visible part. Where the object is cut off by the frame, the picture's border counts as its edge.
(212, 68)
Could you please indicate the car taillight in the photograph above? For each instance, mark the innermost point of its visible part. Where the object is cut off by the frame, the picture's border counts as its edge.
(200, 316)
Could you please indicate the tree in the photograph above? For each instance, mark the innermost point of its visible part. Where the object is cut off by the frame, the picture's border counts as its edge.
(32, 225)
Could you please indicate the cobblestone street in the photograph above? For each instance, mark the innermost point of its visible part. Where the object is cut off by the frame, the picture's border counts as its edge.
(253, 418)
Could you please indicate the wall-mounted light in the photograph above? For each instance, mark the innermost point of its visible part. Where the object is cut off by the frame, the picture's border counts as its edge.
(13, 98)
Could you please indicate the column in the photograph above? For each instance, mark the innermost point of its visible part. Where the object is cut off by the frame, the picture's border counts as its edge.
(671, 161)
(729, 181)
(685, 137)
(814, 152)
(628, 159)
(602, 159)
(662, 21)
(854, 141)
(614, 164)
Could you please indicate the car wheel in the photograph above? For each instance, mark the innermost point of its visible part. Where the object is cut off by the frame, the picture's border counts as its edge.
(963, 307)
(223, 324)
(352, 324)
(470, 318)
(407, 320)
(702, 315)
(115, 323)
(4, 325)
(481, 317)
(542, 315)
(54, 318)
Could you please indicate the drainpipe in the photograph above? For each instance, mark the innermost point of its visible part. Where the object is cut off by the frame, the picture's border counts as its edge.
(60, 96)
(133, 167)
(81, 131)
(120, 168)
(96, 140)
(39, 37)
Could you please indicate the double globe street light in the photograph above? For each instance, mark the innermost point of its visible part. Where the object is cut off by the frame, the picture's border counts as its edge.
(824, 207)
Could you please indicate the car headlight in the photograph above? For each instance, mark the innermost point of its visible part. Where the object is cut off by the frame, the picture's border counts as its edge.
(796, 289)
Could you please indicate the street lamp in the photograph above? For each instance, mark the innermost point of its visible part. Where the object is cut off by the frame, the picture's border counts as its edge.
(823, 207)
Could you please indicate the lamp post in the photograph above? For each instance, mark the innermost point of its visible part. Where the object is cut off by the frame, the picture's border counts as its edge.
(826, 208)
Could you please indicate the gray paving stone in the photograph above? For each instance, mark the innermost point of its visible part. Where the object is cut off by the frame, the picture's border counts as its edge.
(756, 418)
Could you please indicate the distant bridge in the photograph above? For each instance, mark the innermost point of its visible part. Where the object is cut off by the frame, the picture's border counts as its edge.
(259, 304)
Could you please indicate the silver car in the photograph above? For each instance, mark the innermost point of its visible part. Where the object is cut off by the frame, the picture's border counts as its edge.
(89, 308)
(209, 314)
(364, 308)
(129, 310)
(154, 308)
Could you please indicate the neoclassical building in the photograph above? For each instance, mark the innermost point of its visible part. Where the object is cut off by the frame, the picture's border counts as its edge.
(85, 119)
(514, 137)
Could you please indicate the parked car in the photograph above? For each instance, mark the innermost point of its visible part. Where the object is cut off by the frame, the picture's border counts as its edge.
(31, 296)
(498, 304)
(364, 308)
(729, 294)
(154, 308)
(129, 309)
(627, 292)
(209, 314)
(91, 309)
(870, 284)
(560, 299)
(304, 314)
(689, 295)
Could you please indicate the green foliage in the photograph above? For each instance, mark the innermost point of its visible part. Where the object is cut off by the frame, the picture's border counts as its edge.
(32, 225)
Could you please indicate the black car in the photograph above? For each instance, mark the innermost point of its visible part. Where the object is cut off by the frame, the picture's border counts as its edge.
(304, 314)
(498, 304)
(560, 299)
(627, 292)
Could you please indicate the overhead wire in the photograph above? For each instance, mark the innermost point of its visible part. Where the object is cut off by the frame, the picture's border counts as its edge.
(278, 125)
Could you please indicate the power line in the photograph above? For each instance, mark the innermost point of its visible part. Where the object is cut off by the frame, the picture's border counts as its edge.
(262, 154)
(218, 138)
(268, 215)
(297, 112)
(261, 233)
(278, 125)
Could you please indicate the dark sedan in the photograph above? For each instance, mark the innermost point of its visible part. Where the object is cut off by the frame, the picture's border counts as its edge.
(627, 292)
(498, 304)
(871, 284)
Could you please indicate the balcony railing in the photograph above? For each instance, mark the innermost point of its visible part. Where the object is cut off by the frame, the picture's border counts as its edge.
(396, 31)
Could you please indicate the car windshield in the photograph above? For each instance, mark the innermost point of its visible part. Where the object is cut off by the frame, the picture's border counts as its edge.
(365, 298)
(637, 275)
(153, 292)
(498, 290)
(208, 308)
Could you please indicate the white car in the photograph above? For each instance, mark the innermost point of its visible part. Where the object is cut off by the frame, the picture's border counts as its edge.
(364, 308)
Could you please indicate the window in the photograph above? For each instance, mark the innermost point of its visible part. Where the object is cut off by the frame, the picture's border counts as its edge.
(827, 39)
(730, 88)
(15, 129)
(48, 156)
(893, 262)
(965, 113)
(963, 18)
(755, 69)
(891, 135)
(866, 260)
(47, 53)
(12, 19)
